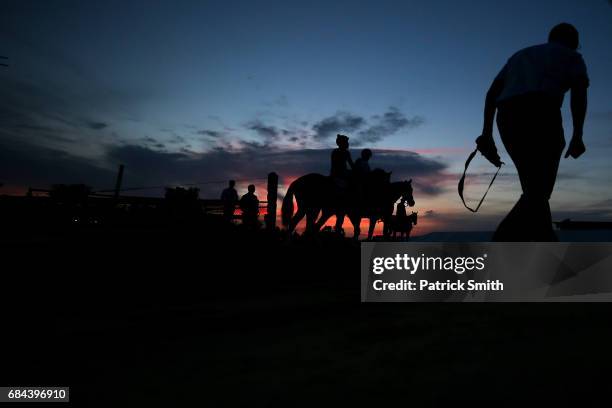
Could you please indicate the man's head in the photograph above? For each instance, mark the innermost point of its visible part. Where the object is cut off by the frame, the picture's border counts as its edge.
(232, 183)
(342, 141)
(564, 34)
(366, 154)
(251, 188)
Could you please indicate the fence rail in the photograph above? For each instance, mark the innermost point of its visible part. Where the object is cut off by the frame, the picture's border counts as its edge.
(210, 206)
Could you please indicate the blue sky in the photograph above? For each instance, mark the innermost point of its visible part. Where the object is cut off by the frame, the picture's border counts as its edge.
(197, 85)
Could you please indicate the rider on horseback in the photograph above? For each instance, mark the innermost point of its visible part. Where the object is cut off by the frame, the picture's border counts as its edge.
(339, 159)
(400, 211)
(341, 175)
(362, 167)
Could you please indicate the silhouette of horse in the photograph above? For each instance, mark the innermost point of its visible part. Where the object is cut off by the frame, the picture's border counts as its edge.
(403, 225)
(316, 193)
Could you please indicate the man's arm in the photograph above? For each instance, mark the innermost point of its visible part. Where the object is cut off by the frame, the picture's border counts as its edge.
(489, 110)
(485, 143)
(578, 105)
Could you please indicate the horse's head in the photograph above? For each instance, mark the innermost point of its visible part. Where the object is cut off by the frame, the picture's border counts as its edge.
(406, 190)
(379, 176)
(414, 217)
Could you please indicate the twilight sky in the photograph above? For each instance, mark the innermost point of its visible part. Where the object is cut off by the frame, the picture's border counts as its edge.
(190, 91)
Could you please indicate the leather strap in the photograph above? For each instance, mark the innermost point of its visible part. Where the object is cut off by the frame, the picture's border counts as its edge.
(461, 184)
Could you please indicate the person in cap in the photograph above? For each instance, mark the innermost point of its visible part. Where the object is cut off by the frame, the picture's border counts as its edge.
(341, 158)
(341, 165)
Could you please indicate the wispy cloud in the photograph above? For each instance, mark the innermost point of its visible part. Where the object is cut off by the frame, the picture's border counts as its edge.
(97, 125)
(211, 133)
(388, 124)
(361, 130)
(267, 132)
(341, 122)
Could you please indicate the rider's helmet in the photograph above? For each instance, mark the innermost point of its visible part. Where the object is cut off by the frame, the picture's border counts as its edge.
(342, 140)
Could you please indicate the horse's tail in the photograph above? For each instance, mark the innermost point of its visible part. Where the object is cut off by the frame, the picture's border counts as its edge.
(287, 208)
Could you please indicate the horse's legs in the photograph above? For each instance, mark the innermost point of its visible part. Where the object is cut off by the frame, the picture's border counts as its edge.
(339, 221)
(387, 229)
(296, 218)
(355, 220)
(325, 214)
(311, 216)
(371, 228)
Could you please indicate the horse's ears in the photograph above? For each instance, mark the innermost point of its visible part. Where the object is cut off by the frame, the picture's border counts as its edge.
(410, 181)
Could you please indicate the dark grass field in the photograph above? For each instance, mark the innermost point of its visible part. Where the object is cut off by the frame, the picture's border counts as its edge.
(215, 317)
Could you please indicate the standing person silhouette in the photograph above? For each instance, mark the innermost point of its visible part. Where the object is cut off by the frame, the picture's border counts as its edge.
(229, 197)
(249, 204)
(528, 93)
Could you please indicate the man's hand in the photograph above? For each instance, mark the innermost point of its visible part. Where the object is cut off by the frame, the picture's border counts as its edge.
(486, 146)
(576, 148)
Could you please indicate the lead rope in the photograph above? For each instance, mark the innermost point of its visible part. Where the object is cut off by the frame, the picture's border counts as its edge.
(462, 182)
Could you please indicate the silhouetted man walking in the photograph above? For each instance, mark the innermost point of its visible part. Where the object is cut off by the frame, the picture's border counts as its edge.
(528, 93)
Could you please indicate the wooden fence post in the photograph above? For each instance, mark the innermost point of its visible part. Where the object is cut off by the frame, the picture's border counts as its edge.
(119, 181)
(272, 196)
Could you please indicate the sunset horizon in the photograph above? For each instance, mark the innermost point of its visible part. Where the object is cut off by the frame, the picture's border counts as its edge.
(195, 103)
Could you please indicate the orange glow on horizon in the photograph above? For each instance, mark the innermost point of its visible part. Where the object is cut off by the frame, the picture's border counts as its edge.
(13, 190)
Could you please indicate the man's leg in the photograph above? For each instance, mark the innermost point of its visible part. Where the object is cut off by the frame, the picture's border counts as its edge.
(545, 150)
(534, 140)
(541, 192)
(514, 227)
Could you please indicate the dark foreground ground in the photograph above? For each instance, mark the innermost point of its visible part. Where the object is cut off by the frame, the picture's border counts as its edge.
(205, 317)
